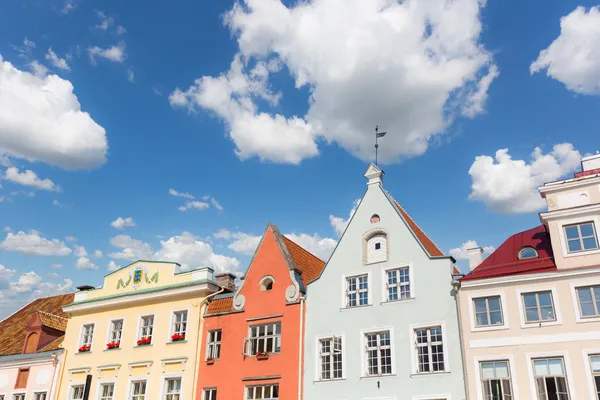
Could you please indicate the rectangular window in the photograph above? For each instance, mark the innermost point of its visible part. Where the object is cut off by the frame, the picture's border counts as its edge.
(581, 237)
(172, 389)
(147, 327)
(138, 390)
(595, 365)
(265, 339)
(539, 307)
(330, 358)
(180, 322)
(398, 284)
(39, 396)
(378, 347)
(107, 391)
(116, 330)
(209, 394)
(87, 335)
(77, 392)
(357, 290)
(264, 392)
(589, 301)
(22, 377)
(495, 380)
(551, 379)
(20, 396)
(213, 348)
(488, 311)
(430, 349)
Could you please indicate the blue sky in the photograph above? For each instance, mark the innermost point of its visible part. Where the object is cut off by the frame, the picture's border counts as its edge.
(203, 121)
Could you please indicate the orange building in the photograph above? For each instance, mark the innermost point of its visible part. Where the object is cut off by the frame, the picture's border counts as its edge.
(253, 337)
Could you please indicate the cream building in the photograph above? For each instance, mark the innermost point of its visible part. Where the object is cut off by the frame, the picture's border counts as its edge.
(530, 313)
(136, 337)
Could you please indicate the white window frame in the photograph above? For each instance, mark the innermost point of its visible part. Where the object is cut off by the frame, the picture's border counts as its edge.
(211, 345)
(384, 279)
(105, 382)
(71, 386)
(274, 336)
(318, 340)
(130, 383)
(587, 353)
(109, 329)
(363, 353)
(39, 392)
(163, 384)
(187, 321)
(413, 348)
(554, 354)
(138, 334)
(472, 315)
(445, 396)
(81, 328)
(580, 237)
(369, 290)
(555, 304)
(575, 299)
(15, 394)
(500, 357)
(210, 392)
(572, 221)
(246, 387)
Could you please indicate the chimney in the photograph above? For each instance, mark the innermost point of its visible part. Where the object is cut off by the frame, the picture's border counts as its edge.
(85, 288)
(226, 281)
(590, 163)
(475, 257)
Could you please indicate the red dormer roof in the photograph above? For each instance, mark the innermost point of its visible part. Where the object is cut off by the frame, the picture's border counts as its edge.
(505, 260)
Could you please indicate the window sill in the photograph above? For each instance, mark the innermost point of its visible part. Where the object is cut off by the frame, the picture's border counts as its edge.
(116, 348)
(355, 307)
(141, 346)
(430, 373)
(528, 325)
(583, 320)
(270, 355)
(177, 342)
(82, 352)
(389, 302)
(329, 380)
(378, 376)
(489, 328)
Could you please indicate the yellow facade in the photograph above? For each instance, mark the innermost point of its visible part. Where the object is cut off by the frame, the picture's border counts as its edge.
(144, 299)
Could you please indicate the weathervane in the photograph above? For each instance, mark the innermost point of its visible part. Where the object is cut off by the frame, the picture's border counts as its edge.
(377, 136)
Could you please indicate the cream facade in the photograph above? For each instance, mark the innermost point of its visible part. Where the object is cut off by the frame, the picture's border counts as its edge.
(137, 337)
(530, 313)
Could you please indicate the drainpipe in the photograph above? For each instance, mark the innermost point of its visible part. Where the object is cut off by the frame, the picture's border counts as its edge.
(56, 366)
(197, 364)
(301, 351)
(456, 287)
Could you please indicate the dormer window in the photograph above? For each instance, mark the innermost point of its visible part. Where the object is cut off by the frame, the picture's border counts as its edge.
(266, 283)
(581, 237)
(527, 252)
(375, 247)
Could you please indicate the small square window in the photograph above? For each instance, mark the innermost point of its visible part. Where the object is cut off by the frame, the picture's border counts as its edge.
(77, 392)
(488, 311)
(539, 307)
(107, 391)
(581, 237)
(377, 246)
(357, 291)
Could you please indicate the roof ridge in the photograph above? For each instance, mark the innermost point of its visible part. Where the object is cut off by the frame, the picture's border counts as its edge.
(54, 315)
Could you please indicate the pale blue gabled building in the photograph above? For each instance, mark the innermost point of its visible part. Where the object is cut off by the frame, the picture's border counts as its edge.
(382, 318)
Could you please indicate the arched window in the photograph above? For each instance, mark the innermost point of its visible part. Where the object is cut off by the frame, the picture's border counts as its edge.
(32, 342)
(376, 247)
(527, 252)
(266, 283)
(375, 218)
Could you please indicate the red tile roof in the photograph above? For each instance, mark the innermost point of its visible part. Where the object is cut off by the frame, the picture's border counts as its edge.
(427, 243)
(12, 329)
(505, 260)
(220, 305)
(53, 321)
(309, 264)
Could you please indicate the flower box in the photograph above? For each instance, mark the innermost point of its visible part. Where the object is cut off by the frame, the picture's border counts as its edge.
(145, 341)
(84, 349)
(178, 337)
(113, 345)
(210, 361)
(262, 355)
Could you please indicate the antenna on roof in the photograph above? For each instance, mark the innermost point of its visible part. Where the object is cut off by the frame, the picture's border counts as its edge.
(377, 135)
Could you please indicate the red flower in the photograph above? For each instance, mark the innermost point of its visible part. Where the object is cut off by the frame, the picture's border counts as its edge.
(178, 336)
(84, 349)
(262, 353)
(144, 341)
(113, 345)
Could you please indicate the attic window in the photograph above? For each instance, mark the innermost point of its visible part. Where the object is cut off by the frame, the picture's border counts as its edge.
(375, 247)
(266, 283)
(375, 218)
(527, 252)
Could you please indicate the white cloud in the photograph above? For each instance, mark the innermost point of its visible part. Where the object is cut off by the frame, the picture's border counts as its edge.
(428, 67)
(58, 62)
(70, 238)
(114, 53)
(56, 266)
(7, 229)
(244, 243)
(130, 76)
(122, 223)
(38, 69)
(338, 223)
(223, 233)
(58, 204)
(112, 266)
(41, 120)
(34, 244)
(216, 204)
(29, 178)
(120, 30)
(53, 275)
(98, 254)
(573, 58)
(68, 7)
(198, 205)
(105, 21)
(85, 263)
(460, 253)
(131, 249)
(510, 186)
(28, 44)
(320, 247)
(79, 251)
(174, 192)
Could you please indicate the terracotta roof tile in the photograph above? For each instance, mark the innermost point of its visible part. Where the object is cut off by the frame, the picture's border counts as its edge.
(53, 321)
(427, 243)
(220, 305)
(310, 265)
(53, 345)
(12, 329)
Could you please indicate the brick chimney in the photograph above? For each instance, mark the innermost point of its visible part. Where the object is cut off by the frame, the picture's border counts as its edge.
(475, 257)
(226, 281)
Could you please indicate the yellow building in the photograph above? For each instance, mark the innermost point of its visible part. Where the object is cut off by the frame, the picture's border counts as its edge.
(136, 337)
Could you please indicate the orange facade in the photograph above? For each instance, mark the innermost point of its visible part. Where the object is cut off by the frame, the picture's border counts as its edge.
(252, 338)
